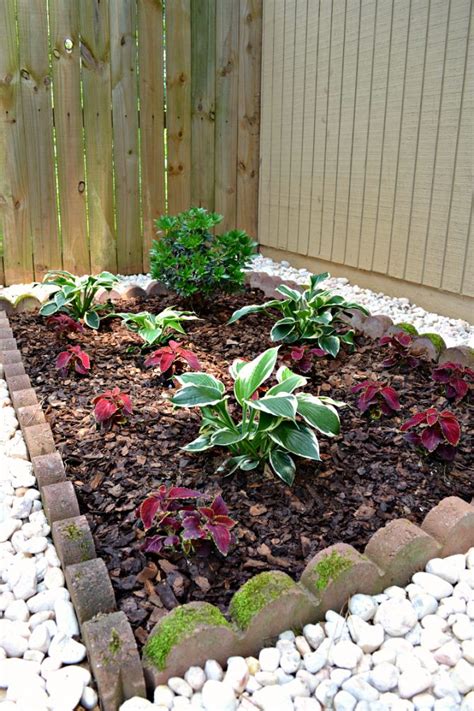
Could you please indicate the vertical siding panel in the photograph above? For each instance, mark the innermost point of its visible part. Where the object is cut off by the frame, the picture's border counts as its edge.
(276, 121)
(333, 125)
(405, 175)
(123, 40)
(227, 87)
(287, 96)
(383, 36)
(249, 114)
(151, 85)
(35, 87)
(365, 68)
(456, 91)
(346, 130)
(320, 126)
(308, 109)
(178, 104)
(17, 247)
(203, 95)
(426, 151)
(296, 149)
(64, 21)
(97, 94)
(391, 140)
(457, 269)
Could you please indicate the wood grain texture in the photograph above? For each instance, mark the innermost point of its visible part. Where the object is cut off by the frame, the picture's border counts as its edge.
(265, 122)
(203, 101)
(250, 57)
(97, 94)
(123, 43)
(35, 89)
(64, 28)
(178, 106)
(151, 90)
(17, 246)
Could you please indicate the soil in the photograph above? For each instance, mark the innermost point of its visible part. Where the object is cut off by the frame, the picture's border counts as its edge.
(368, 475)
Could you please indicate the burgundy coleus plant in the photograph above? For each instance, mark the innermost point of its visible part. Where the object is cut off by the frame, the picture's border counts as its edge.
(398, 346)
(457, 379)
(166, 356)
(439, 432)
(302, 357)
(63, 324)
(376, 398)
(73, 359)
(179, 523)
(112, 406)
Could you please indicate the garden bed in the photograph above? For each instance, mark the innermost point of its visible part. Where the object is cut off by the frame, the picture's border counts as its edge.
(368, 475)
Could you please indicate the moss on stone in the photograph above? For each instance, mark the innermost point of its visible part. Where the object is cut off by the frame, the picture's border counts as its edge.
(436, 340)
(115, 644)
(329, 568)
(73, 532)
(177, 625)
(407, 327)
(255, 594)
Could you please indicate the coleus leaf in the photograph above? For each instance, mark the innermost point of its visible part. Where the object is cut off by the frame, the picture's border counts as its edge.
(450, 427)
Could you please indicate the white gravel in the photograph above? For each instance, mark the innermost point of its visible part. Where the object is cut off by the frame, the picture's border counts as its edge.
(407, 649)
(40, 652)
(455, 332)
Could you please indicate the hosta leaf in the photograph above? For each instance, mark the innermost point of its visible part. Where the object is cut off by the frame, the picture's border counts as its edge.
(292, 294)
(200, 379)
(49, 309)
(241, 462)
(316, 279)
(323, 418)
(251, 309)
(253, 374)
(282, 329)
(296, 438)
(278, 405)
(196, 395)
(287, 382)
(283, 465)
(236, 366)
(199, 444)
(92, 319)
(330, 344)
(225, 437)
(267, 422)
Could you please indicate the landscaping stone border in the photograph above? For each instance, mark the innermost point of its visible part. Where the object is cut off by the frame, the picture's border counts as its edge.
(107, 634)
(265, 605)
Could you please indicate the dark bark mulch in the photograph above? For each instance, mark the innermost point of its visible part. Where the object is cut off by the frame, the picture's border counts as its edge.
(368, 475)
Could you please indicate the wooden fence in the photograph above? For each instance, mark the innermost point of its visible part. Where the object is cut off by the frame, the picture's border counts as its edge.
(116, 111)
(367, 143)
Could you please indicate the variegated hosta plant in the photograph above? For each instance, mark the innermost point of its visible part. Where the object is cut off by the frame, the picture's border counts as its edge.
(271, 427)
(312, 316)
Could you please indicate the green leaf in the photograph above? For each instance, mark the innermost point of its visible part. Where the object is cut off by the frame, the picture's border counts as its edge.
(251, 309)
(292, 294)
(296, 438)
(323, 418)
(224, 437)
(278, 405)
(330, 344)
(282, 329)
(283, 465)
(316, 279)
(49, 309)
(266, 423)
(92, 319)
(253, 374)
(236, 366)
(287, 381)
(243, 462)
(196, 395)
(208, 381)
(199, 444)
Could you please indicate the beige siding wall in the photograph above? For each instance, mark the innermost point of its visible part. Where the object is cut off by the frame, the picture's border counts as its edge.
(367, 142)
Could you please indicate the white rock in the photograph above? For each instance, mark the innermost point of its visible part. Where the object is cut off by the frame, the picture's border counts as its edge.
(343, 701)
(45, 600)
(470, 558)
(443, 686)
(468, 702)
(237, 674)
(424, 604)
(297, 688)
(288, 635)
(413, 682)
(66, 649)
(290, 661)
(137, 703)
(40, 638)
(253, 665)
(339, 676)
(468, 650)
(219, 696)
(66, 619)
(23, 579)
(38, 544)
(427, 659)
(433, 585)
(368, 637)
(180, 687)
(345, 654)
(270, 698)
(314, 634)
(89, 698)
(394, 591)
(74, 675)
(363, 606)
(302, 645)
(449, 568)
(11, 669)
(314, 662)
(449, 653)
(281, 676)
(213, 670)
(384, 677)
(462, 676)
(325, 692)
(423, 702)
(54, 578)
(269, 659)
(8, 527)
(360, 689)
(433, 639)
(33, 655)
(396, 616)
(195, 677)
(17, 610)
(163, 696)
(304, 704)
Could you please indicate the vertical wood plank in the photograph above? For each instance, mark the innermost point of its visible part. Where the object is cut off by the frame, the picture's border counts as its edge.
(265, 122)
(275, 109)
(35, 87)
(250, 58)
(64, 25)
(203, 95)
(123, 42)
(95, 53)
(17, 247)
(178, 104)
(151, 88)
(227, 94)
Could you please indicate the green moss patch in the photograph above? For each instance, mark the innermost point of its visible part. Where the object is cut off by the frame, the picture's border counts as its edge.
(407, 327)
(255, 594)
(329, 568)
(436, 340)
(177, 625)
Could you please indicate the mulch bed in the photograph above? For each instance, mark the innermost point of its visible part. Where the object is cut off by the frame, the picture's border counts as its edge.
(368, 475)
